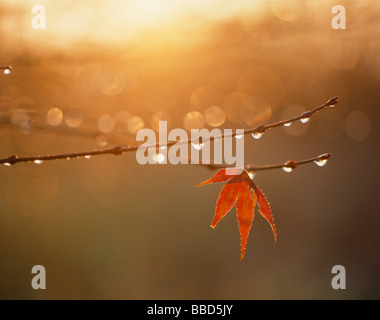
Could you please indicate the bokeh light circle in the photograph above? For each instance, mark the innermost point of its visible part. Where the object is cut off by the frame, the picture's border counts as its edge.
(215, 116)
(194, 120)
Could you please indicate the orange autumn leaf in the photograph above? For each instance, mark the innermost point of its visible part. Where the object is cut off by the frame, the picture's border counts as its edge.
(245, 207)
(220, 176)
(265, 211)
(239, 190)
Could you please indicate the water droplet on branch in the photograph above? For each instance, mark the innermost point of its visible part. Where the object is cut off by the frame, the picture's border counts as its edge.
(7, 70)
(257, 134)
(322, 159)
(288, 124)
(306, 117)
(321, 162)
(289, 166)
(198, 146)
(38, 161)
(160, 158)
(287, 169)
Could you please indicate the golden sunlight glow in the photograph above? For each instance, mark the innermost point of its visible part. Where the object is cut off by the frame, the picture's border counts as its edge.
(115, 20)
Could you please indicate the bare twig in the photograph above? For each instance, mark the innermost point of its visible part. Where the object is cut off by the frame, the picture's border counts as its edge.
(291, 164)
(123, 149)
(287, 166)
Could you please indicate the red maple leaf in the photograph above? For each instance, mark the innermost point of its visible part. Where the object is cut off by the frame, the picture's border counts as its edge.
(241, 190)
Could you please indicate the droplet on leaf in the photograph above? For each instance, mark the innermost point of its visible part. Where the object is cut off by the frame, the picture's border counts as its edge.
(252, 174)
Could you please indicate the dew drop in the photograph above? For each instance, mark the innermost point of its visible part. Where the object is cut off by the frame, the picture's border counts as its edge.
(321, 162)
(288, 124)
(287, 169)
(198, 146)
(252, 174)
(7, 70)
(305, 117)
(160, 158)
(332, 105)
(7, 164)
(88, 157)
(257, 134)
(38, 161)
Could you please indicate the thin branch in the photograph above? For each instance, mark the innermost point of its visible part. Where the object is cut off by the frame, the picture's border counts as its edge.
(289, 165)
(259, 130)
(321, 160)
(123, 149)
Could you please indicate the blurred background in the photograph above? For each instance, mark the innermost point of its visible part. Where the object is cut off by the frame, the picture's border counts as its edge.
(108, 228)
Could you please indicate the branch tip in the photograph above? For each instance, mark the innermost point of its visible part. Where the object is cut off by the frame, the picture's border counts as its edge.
(325, 156)
(333, 101)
